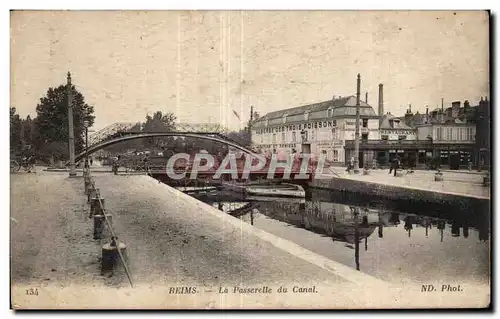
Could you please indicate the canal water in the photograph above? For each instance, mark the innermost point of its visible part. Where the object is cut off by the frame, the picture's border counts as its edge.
(393, 245)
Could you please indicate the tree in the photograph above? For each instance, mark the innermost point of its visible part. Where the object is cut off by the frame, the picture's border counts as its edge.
(15, 131)
(27, 131)
(159, 122)
(52, 117)
(130, 144)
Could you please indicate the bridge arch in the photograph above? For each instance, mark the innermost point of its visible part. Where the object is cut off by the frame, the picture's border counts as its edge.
(207, 136)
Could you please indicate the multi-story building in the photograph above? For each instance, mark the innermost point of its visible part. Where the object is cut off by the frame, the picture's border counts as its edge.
(483, 127)
(316, 128)
(394, 129)
(329, 128)
(448, 135)
(452, 141)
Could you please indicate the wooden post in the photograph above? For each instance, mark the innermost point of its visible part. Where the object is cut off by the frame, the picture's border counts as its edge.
(110, 255)
(95, 206)
(87, 184)
(100, 225)
(93, 192)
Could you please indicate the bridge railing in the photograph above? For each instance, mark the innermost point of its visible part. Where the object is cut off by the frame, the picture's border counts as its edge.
(108, 131)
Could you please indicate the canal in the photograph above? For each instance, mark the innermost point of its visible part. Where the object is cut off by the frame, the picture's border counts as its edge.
(377, 238)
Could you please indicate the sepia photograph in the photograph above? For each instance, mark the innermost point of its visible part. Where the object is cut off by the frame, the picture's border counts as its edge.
(250, 159)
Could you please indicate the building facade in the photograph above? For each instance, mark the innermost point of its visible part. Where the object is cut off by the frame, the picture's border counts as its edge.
(452, 143)
(321, 128)
(483, 133)
(444, 136)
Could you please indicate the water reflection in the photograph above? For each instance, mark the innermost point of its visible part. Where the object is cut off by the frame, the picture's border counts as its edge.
(405, 244)
(341, 222)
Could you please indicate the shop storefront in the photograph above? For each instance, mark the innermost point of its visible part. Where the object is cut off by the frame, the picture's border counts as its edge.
(414, 153)
(383, 152)
(454, 156)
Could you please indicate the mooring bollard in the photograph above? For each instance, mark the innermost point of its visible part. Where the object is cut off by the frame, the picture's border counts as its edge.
(438, 177)
(486, 180)
(93, 192)
(95, 206)
(87, 184)
(100, 224)
(110, 255)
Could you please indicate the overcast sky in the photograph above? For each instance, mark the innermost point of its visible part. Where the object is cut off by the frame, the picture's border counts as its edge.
(203, 65)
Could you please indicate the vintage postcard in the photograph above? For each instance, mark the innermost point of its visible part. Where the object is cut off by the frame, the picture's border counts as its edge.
(250, 159)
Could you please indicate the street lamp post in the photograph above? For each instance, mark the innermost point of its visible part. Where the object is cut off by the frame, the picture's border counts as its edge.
(86, 125)
(356, 136)
(71, 142)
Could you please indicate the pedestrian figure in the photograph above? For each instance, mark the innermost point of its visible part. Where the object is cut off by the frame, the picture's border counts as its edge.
(394, 165)
(145, 161)
(116, 164)
(350, 165)
(397, 165)
(91, 161)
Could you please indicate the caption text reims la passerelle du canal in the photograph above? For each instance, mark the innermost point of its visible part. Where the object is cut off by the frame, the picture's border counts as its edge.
(244, 290)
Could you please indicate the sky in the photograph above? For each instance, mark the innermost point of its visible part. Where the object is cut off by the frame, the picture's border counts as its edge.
(206, 65)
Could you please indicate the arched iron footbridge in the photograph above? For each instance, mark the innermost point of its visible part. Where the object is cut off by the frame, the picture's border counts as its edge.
(119, 134)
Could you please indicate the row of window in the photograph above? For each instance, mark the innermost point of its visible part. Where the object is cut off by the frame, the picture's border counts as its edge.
(333, 135)
(306, 115)
(332, 155)
(386, 137)
(455, 134)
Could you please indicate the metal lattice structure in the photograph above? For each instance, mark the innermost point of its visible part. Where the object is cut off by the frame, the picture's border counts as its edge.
(200, 128)
(108, 131)
(118, 132)
(124, 127)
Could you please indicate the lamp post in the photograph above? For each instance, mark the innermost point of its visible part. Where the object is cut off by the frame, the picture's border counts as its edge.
(356, 136)
(86, 125)
(334, 138)
(71, 138)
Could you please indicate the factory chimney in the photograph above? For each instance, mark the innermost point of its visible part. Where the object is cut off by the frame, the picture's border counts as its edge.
(366, 97)
(380, 102)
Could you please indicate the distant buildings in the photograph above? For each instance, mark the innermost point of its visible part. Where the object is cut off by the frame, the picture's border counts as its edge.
(316, 128)
(394, 129)
(483, 133)
(450, 136)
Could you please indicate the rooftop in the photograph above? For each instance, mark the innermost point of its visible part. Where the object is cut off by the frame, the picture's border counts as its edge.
(342, 106)
(389, 121)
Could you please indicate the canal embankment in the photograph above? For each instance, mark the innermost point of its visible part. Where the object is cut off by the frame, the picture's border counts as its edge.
(172, 240)
(465, 191)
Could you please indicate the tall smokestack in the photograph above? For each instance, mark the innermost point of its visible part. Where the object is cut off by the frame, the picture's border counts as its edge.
(442, 104)
(356, 133)
(366, 97)
(380, 101)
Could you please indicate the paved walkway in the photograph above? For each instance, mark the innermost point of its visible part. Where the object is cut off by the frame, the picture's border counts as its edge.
(51, 235)
(458, 183)
(173, 240)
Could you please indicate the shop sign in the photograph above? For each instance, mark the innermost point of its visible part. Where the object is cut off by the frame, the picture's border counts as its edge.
(298, 127)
